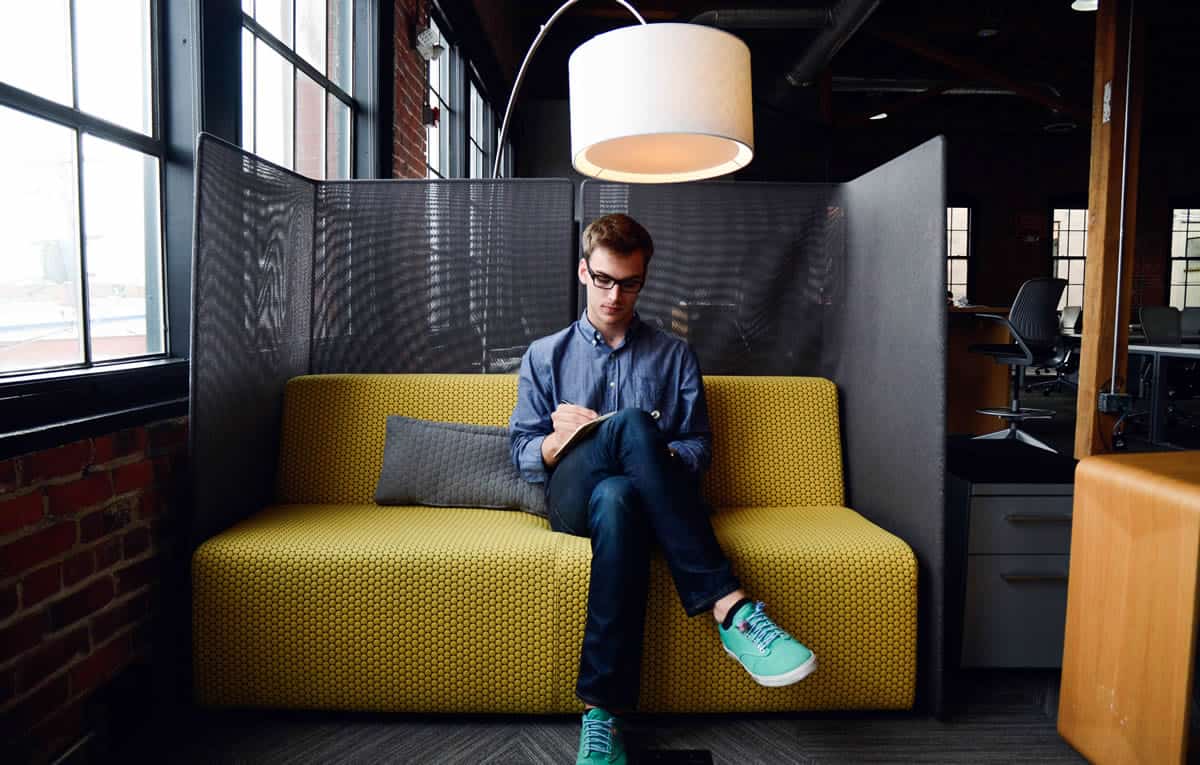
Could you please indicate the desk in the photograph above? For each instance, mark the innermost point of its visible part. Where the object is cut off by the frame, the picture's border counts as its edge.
(1158, 382)
(973, 380)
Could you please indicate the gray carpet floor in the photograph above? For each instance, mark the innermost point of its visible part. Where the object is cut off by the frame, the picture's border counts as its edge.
(1002, 718)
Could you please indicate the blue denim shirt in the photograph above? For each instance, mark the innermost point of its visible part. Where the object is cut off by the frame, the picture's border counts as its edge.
(649, 370)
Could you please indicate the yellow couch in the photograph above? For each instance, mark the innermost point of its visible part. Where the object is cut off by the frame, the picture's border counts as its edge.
(326, 600)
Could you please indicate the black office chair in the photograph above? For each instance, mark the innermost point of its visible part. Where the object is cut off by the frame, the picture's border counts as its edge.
(1066, 360)
(1033, 324)
(1161, 324)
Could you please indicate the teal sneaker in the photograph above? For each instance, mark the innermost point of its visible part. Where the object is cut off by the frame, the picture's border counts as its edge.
(600, 740)
(771, 656)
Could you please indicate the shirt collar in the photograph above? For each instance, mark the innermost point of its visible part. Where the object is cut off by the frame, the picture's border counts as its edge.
(592, 335)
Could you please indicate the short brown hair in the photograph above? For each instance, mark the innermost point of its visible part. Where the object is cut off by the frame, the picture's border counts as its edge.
(620, 234)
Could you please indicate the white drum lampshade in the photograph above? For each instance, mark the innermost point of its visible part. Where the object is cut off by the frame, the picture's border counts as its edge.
(661, 103)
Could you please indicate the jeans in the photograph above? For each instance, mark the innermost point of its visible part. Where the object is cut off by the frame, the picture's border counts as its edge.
(621, 488)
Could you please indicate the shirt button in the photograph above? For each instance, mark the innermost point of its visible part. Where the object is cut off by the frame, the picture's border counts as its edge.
(612, 385)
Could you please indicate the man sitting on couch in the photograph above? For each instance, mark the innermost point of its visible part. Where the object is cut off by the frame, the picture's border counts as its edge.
(634, 481)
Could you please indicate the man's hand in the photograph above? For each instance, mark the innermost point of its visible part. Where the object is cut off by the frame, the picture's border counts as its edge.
(566, 418)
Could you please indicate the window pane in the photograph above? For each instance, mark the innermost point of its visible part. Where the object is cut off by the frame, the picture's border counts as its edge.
(1193, 298)
(1060, 217)
(248, 7)
(247, 90)
(1178, 244)
(1075, 245)
(310, 127)
(958, 244)
(433, 156)
(276, 18)
(35, 53)
(310, 32)
(1178, 271)
(113, 44)
(1192, 247)
(273, 106)
(341, 55)
(39, 250)
(121, 221)
(1061, 269)
(1079, 220)
(1177, 294)
(1075, 295)
(958, 272)
(339, 140)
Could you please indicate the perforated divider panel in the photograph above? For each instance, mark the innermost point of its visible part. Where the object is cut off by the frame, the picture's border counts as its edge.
(251, 308)
(439, 276)
(886, 350)
(293, 276)
(742, 271)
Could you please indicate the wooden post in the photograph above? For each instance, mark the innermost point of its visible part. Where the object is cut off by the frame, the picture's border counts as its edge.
(1105, 313)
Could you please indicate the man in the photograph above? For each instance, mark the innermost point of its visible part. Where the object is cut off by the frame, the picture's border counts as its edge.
(633, 482)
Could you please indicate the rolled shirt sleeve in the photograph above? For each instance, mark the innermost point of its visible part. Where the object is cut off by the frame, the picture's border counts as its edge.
(530, 422)
(694, 441)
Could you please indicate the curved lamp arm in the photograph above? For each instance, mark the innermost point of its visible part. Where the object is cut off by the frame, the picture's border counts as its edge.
(521, 73)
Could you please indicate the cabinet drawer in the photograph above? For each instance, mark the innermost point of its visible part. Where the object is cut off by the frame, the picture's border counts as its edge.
(1020, 525)
(1015, 610)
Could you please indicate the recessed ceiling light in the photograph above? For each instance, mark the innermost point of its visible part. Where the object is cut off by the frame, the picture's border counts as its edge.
(1059, 128)
(880, 116)
(1085, 5)
(988, 32)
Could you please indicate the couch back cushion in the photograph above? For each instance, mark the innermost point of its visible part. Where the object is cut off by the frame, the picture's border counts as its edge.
(776, 439)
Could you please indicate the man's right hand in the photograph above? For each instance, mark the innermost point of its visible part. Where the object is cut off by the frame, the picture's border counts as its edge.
(567, 418)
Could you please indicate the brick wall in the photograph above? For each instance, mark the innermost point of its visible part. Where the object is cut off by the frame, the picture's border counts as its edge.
(83, 533)
(408, 142)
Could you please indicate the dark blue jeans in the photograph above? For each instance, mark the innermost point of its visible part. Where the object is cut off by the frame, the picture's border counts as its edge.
(622, 489)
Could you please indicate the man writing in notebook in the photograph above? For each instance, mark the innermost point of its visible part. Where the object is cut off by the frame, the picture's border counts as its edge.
(633, 482)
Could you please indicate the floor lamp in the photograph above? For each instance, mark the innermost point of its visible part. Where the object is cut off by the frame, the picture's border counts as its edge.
(654, 103)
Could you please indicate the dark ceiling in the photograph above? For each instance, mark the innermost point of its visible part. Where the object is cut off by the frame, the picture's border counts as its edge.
(924, 62)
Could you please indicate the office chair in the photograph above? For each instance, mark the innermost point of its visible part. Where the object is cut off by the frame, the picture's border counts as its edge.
(1065, 359)
(1033, 325)
(1161, 325)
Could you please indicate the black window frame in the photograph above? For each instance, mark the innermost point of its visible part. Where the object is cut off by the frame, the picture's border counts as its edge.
(198, 77)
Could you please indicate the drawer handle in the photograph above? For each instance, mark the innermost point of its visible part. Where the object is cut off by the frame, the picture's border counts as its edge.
(1034, 577)
(1026, 518)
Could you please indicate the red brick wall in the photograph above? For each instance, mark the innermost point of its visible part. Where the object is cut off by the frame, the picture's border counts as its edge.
(408, 141)
(81, 541)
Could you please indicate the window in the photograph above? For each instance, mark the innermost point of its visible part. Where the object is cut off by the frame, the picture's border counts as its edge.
(1185, 258)
(297, 75)
(958, 251)
(481, 137)
(437, 133)
(1068, 242)
(81, 174)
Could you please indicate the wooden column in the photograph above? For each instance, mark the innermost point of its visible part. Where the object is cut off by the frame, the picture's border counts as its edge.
(1105, 313)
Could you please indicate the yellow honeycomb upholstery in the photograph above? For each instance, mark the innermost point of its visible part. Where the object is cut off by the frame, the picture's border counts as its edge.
(328, 601)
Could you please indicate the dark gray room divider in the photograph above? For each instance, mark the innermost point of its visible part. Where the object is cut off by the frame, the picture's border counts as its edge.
(886, 350)
(845, 281)
(293, 276)
(743, 271)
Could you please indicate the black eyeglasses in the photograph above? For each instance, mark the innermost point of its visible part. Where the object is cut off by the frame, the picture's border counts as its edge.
(606, 282)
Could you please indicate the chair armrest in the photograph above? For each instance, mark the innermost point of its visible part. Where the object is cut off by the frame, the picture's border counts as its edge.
(1012, 332)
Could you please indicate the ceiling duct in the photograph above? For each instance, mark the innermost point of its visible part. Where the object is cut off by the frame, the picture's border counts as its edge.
(767, 18)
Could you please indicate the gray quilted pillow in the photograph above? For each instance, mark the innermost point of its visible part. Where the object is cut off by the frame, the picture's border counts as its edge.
(449, 464)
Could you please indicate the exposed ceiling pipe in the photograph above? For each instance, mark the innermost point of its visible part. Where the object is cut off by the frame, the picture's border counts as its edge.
(766, 18)
(848, 16)
(846, 84)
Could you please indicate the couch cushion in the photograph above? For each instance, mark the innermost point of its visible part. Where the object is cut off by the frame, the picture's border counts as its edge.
(467, 610)
(776, 440)
(452, 464)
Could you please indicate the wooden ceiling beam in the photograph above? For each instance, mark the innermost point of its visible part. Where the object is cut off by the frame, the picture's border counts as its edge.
(980, 71)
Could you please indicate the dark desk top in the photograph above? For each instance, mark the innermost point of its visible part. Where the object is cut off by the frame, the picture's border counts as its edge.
(1007, 461)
